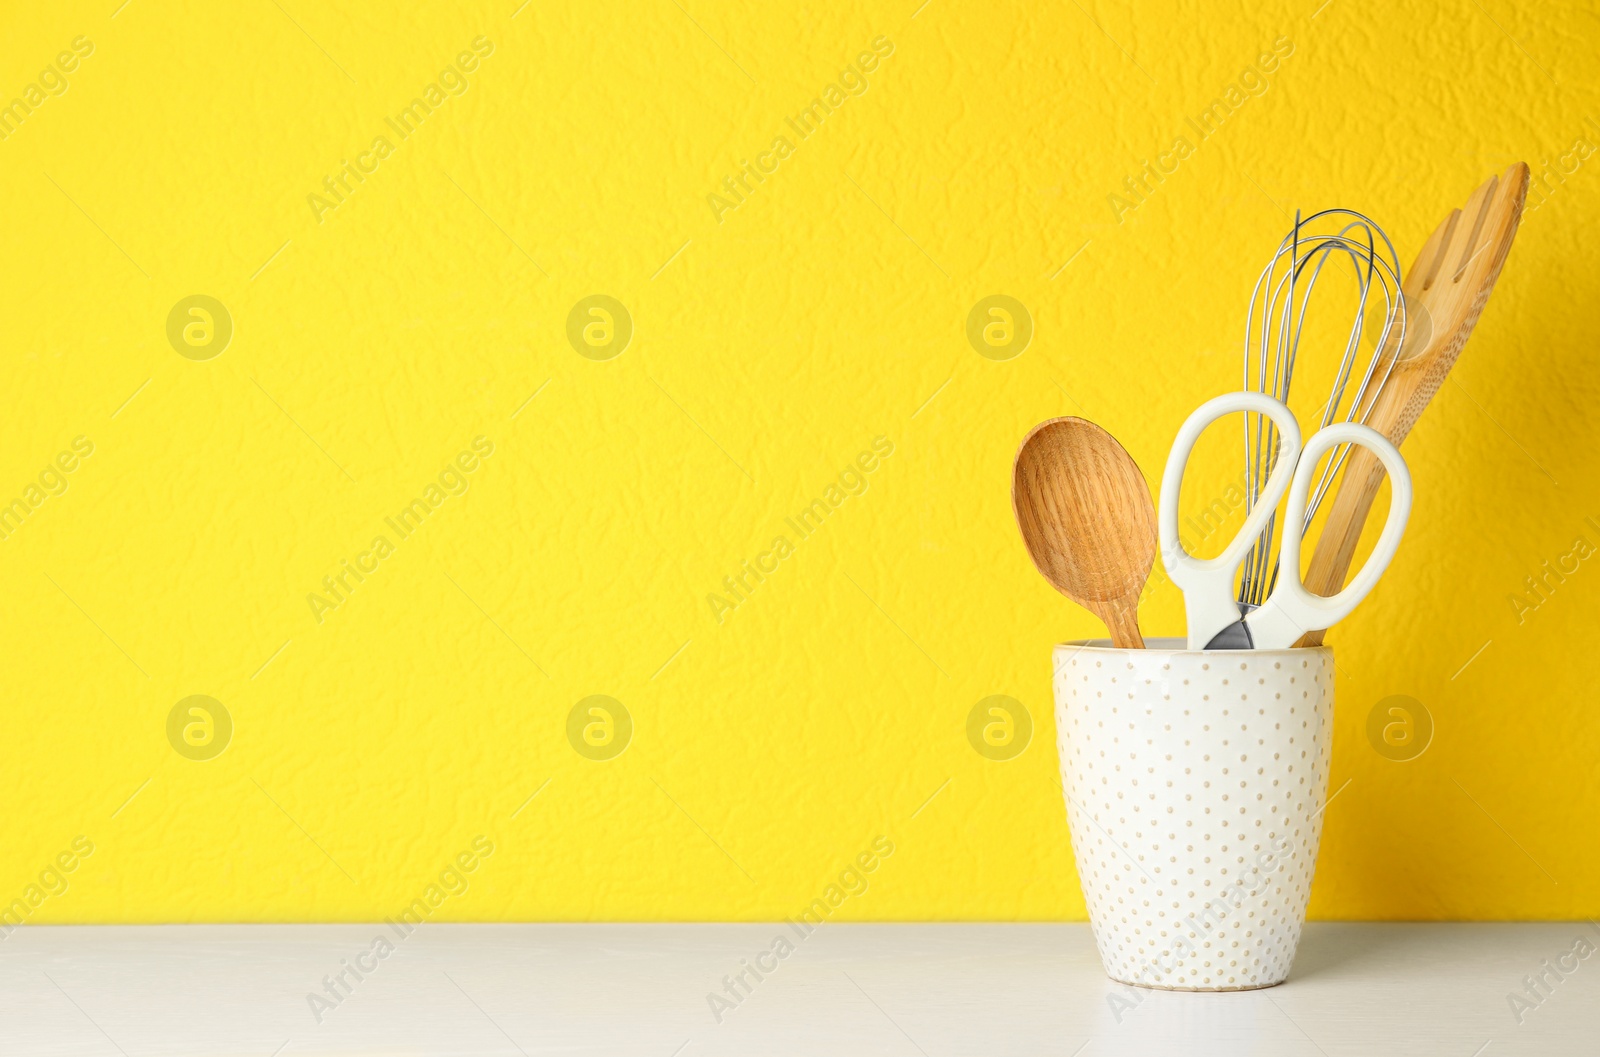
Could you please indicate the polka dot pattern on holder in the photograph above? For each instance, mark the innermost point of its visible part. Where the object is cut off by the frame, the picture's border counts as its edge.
(1194, 784)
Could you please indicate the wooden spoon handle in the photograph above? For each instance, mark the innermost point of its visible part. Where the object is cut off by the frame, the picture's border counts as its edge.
(1122, 619)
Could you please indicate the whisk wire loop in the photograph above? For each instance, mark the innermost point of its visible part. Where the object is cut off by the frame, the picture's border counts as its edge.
(1279, 304)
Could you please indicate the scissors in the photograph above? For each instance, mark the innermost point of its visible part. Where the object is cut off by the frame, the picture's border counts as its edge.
(1215, 620)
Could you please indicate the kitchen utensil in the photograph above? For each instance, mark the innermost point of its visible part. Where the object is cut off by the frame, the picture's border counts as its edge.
(1084, 511)
(1215, 620)
(1195, 785)
(1272, 343)
(1445, 292)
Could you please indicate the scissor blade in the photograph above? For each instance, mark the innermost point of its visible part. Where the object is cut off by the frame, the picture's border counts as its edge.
(1235, 636)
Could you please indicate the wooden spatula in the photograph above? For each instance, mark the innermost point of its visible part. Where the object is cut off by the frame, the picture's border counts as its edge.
(1445, 291)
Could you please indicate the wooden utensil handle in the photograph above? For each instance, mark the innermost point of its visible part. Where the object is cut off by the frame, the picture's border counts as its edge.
(1123, 621)
(1336, 547)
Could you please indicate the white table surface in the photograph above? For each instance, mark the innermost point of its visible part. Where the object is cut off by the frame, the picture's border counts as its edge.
(1358, 989)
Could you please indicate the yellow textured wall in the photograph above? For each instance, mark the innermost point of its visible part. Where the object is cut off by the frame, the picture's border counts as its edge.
(777, 337)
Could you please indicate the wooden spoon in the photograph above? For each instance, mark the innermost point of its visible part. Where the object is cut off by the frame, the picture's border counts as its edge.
(1445, 291)
(1086, 518)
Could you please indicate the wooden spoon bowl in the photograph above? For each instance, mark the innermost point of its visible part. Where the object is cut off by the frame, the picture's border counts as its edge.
(1086, 518)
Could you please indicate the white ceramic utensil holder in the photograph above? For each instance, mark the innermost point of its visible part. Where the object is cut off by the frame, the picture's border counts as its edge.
(1195, 782)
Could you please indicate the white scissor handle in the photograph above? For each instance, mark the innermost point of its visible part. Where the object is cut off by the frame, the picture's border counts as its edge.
(1207, 583)
(1291, 611)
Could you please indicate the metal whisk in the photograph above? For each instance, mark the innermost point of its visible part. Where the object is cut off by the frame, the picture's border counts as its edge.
(1272, 345)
